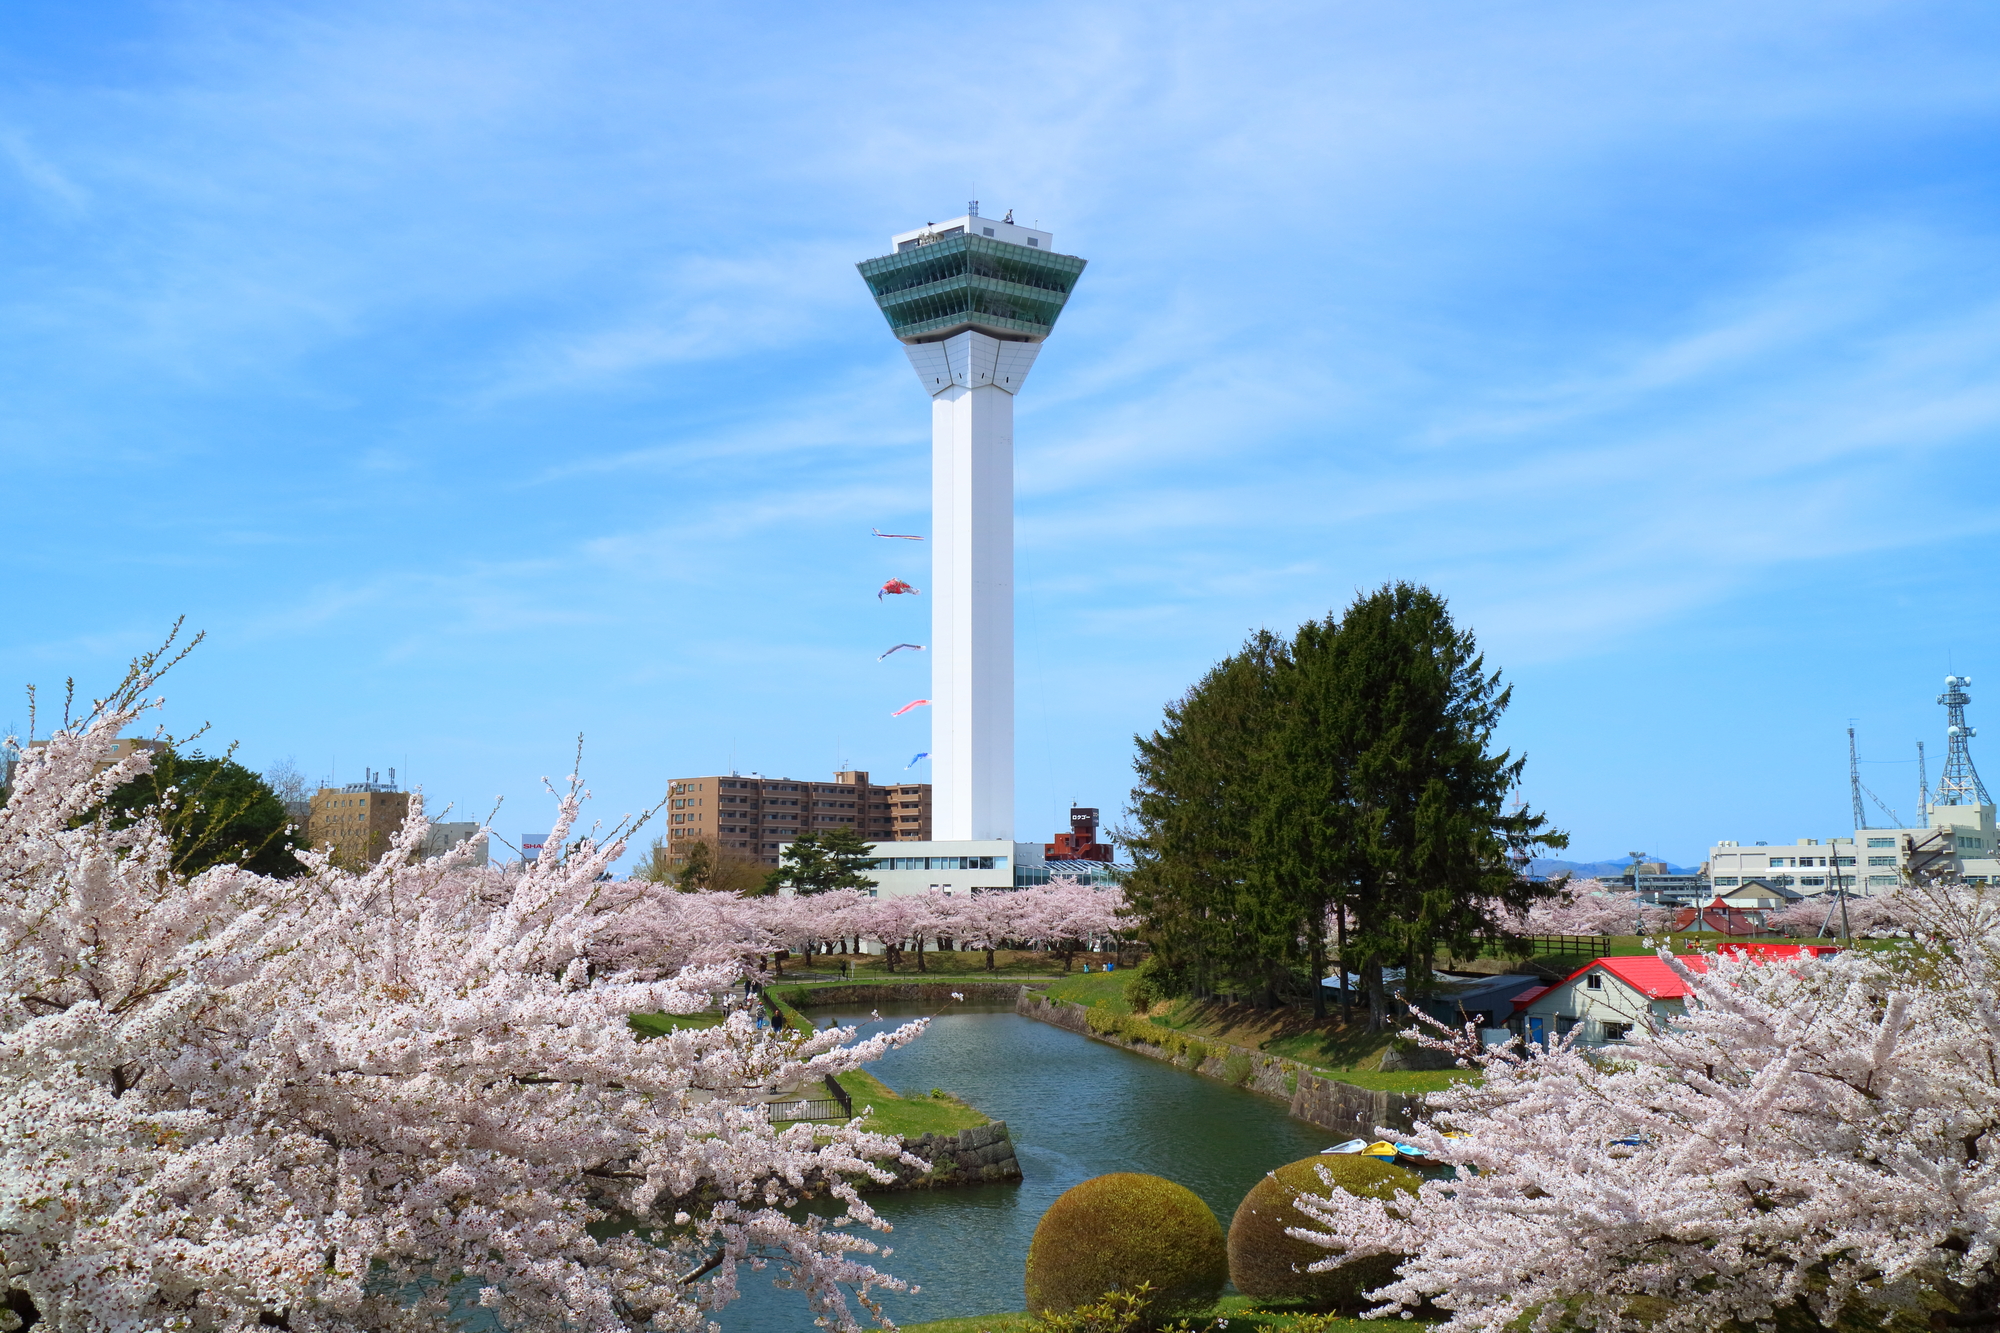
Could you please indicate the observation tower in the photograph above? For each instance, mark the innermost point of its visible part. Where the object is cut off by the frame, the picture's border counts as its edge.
(971, 300)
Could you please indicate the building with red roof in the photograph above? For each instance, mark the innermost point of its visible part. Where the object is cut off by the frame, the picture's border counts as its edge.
(1602, 1001)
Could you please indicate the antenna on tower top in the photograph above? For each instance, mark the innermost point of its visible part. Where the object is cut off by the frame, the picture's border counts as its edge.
(1923, 784)
(1959, 784)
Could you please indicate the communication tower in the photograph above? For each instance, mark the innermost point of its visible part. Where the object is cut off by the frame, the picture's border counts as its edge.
(971, 300)
(1959, 784)
(1854, 780)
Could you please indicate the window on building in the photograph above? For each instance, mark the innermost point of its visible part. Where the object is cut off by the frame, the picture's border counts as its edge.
(1843, 860)
(1617, 1031)
(1880, 881)
(1779, 861)
(1595, 981)
(1881, 860)
(986, 231)
(1814, 881)
(1725, 881)
(1881, 842)
(1032, 241)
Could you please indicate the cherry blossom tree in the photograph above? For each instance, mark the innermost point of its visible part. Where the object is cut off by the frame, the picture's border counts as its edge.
(352, 1100)
(1819, 1135)
(1592, 907)
(1865, 915)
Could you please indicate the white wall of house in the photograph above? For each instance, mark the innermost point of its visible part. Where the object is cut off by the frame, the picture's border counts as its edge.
(1605, 1010)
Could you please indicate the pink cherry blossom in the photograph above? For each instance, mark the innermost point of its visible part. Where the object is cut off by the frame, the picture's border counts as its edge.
(232, 1100)
(1816, 1131)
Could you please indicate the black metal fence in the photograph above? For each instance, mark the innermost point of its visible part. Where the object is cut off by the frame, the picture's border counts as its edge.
(1569, 946)
(838, 1106)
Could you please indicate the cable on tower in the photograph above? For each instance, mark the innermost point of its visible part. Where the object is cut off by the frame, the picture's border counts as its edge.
(1856, 787)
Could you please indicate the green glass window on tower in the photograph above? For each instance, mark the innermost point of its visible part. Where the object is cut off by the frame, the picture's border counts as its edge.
(932, 291)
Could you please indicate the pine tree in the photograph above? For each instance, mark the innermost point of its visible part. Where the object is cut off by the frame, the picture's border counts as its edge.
(823, 861)
(1192, 814)
(1389, 737)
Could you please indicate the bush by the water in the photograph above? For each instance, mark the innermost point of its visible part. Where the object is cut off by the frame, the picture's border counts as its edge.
(1175, 1043)
(1267, 1264)
(1116, 1232)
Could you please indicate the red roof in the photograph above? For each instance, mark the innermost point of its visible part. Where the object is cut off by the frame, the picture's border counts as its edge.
(1779, 950)
(1647, 973)
(1720, 918)
(1522, 1000)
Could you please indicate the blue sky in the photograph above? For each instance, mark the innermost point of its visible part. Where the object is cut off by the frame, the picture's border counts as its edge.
(481, 375)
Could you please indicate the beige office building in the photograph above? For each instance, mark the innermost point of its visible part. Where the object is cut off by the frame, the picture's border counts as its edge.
(358, 820)
(755, 815)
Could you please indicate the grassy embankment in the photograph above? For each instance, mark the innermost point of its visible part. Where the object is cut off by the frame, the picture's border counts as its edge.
(1348, 1053)
(1241, 1312)
(935, 1112)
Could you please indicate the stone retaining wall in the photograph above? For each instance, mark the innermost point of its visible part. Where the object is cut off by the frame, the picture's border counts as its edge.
(1341, 1108)
(982, 1155)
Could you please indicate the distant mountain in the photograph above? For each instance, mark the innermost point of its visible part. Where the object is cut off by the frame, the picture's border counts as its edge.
(1595, 869)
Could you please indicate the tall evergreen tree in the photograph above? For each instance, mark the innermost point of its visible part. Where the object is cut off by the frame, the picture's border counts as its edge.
(1192, 812)
(1334, 795)
(1418, 837)
(823, 861)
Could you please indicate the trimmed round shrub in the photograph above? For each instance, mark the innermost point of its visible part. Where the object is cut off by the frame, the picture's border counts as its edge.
(1267, 1264)
(1117, 1231)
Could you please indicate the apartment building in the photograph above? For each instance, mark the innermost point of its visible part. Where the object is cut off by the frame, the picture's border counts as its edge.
(754, 815)
(358, 820)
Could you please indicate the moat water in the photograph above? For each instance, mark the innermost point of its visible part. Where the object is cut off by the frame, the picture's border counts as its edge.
(1076, 1108)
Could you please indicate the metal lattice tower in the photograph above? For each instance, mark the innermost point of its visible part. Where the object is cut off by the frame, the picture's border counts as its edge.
(1959, 784)
(1854, 781)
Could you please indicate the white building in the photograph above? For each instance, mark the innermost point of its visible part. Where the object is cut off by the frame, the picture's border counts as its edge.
(959, 867)
(1959, 840)
(972, 300)
(441, 838)
(1808, 865)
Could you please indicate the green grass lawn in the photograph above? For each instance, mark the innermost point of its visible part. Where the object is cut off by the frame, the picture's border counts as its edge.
(1097, 989)
(1241, 1312)
(908, 1117)
(659, 1025)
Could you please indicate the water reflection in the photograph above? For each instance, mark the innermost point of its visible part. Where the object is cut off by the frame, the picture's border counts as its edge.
(1076, 1108)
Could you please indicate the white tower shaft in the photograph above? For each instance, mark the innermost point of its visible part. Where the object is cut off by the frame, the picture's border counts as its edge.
(972, 379)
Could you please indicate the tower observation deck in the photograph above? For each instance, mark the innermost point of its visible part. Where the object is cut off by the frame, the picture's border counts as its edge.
(971, 300)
